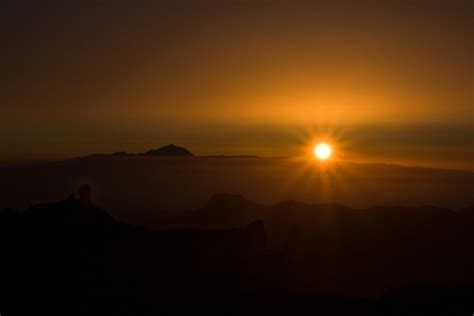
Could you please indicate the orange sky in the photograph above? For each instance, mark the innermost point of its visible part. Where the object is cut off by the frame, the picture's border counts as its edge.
(392, 81)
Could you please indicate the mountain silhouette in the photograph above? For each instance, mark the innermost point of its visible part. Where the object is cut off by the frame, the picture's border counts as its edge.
(170, 150)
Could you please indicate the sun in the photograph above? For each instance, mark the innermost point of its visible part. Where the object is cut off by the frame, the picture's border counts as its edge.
(322, 151)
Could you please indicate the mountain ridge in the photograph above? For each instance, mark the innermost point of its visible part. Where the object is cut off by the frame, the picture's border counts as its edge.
(169, 150)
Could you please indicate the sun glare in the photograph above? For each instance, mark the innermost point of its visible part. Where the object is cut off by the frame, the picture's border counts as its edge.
(322, 151)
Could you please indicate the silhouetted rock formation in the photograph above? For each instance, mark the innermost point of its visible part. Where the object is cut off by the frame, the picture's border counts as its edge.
(170, 150)
(72, 251)
(85, 195)
(69, 216)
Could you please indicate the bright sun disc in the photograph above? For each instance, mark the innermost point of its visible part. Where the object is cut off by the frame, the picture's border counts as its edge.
(322, 151)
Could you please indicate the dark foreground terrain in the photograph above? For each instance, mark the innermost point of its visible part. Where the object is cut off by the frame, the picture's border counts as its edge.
(235, 257)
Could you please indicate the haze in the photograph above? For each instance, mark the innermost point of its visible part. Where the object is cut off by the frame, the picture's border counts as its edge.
(389, 81)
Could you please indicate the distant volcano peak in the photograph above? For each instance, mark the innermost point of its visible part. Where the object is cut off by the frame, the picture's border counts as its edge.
(170, 150)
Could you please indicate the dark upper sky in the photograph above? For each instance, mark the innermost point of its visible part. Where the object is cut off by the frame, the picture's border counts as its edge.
(384, 80)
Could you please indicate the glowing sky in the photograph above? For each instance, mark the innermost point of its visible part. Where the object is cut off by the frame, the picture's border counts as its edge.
(390, 80)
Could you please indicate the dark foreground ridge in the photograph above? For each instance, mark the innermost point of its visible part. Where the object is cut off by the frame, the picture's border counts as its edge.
(72, 258)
